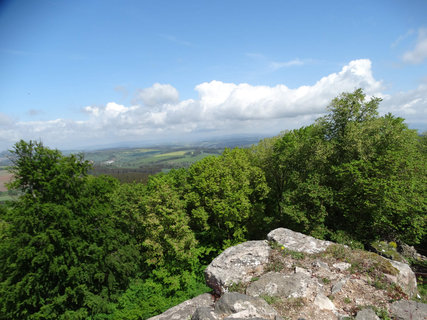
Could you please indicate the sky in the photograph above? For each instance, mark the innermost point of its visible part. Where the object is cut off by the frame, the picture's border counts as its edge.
(83, 73)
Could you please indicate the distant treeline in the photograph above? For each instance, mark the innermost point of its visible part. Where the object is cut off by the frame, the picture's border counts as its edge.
(127, 175)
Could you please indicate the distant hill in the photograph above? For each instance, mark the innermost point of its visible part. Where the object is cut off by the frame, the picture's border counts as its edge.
(214, 142)
(135, 162)
(4, 158)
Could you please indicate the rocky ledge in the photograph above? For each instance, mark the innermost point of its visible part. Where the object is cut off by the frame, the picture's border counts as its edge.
(294, 276)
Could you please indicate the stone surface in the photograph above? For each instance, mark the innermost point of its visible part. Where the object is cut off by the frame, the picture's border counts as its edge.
(405, 310)
(323, 302)
(302, 270)
(238, 264)
(297, 241)
(320, 264)
(301, 286)
(277, 284)
(232, 318)
(338, 286)
(236, 305)
(406, 278)
(367, 314)
(410, 252)
(342, 266)
(186, 309)
(204, 313)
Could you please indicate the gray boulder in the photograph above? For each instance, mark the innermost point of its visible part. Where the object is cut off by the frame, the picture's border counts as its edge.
(256, 318)
(339, 285)
(406, 278)
(410, 252)
(277, 284)
(204, 313)
(186, 309)
(233, 305)
(405, 310)
(323, 302)
(367, 314)
(297, 241)
(236, 265)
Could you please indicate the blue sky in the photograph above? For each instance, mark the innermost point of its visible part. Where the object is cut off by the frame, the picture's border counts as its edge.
(81, 73)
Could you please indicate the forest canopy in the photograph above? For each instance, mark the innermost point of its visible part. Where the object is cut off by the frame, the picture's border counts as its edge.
(75, 246)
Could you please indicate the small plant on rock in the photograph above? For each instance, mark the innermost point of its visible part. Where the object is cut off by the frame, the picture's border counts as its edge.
(294, 254)
(270, 299)
(326, 281)
(289, 304)
(239, 287)
(362, 261)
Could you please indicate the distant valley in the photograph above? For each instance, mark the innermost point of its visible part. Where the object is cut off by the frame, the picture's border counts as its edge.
(136, 164)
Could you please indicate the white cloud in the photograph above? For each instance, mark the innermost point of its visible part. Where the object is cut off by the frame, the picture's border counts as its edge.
(157, 95)
(5, 120)
(419, 53)
(220, 109)
(410, 105)
(220, 100)
(279, 65)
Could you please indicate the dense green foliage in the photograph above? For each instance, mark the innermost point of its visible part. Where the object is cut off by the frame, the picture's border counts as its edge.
(351, 175)
(224, 196)
(72, 244)
(75, 246)
(61, 255)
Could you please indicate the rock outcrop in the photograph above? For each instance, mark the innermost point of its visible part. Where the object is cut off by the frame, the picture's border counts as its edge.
(186, 309)
(297, 241)
(238, 264)
(294, 276)
(403, 310)
(405, 278)
(277, 284)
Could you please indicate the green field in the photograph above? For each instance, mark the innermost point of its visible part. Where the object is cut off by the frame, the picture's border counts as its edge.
(136, 165)
(5, 177)
(166, 158)
(5, 198)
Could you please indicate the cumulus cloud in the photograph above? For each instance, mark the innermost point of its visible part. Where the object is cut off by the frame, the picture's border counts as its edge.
(158, 95)
(220, 100)
(419, 53)
(410, 105)
(220, 109)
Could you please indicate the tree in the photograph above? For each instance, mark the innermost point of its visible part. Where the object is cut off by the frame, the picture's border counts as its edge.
(301, 156)
(61, 256)
(224, 199)
(376, 171)
(352, 174)
(346, 109)
(380, 191)
(263, 156)
(156, 215)
(45, 174)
